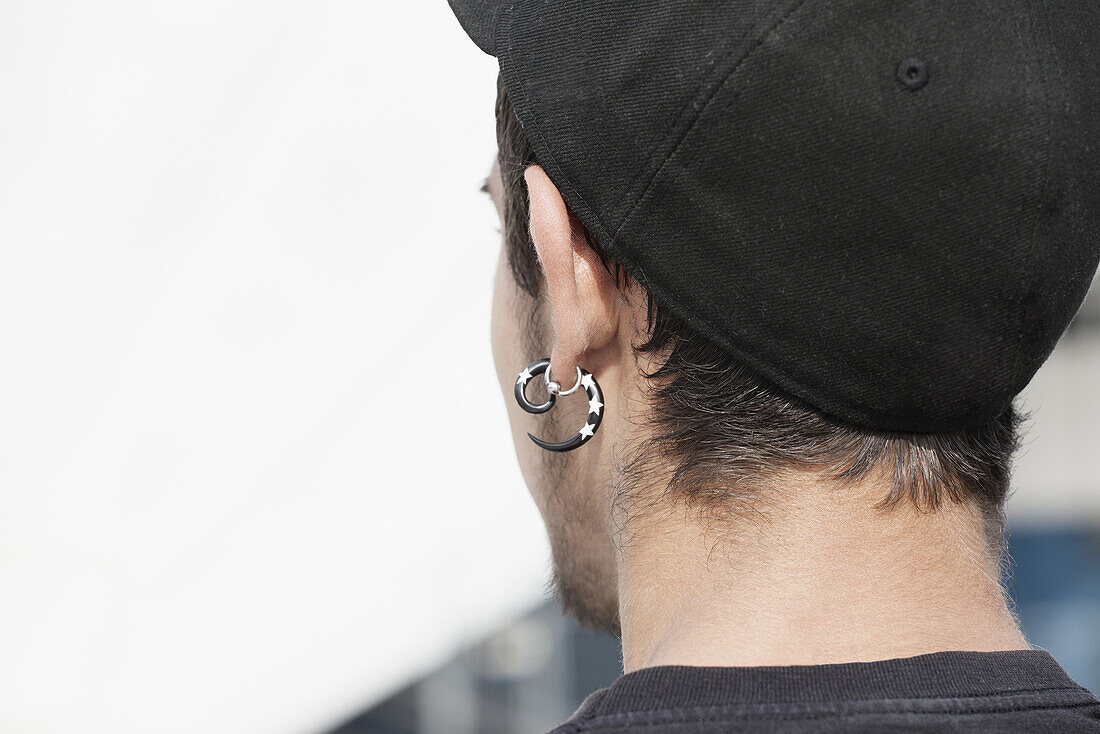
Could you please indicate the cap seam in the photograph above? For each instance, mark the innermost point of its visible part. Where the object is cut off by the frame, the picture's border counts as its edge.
(710, 95)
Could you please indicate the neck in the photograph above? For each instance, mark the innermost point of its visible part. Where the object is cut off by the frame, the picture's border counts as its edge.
(819, 576)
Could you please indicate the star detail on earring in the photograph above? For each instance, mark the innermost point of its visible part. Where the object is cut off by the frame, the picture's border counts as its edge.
(588, 430)
(524, 376)
(587, 381)
(594, 406)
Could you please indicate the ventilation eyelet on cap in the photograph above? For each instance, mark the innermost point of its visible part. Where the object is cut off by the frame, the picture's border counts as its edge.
(913, 73)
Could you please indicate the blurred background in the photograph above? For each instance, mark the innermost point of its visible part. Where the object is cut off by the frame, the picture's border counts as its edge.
(245, 273)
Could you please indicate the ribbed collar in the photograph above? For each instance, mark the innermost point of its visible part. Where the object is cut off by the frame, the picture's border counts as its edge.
(942, 674)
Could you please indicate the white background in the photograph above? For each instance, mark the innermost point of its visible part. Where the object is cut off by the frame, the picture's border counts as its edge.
(254, 468)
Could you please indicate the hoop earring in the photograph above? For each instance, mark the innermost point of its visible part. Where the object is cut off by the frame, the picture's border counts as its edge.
(584, 379)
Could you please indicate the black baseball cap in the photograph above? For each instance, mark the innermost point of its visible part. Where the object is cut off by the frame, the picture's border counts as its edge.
(890, 210)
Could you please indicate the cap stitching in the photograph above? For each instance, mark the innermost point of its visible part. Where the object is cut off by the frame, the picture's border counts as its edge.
(710, 95)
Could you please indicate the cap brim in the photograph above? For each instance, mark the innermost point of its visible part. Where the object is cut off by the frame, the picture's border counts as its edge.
(479, 20)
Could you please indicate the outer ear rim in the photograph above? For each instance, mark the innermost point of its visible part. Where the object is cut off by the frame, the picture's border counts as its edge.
(583, 294)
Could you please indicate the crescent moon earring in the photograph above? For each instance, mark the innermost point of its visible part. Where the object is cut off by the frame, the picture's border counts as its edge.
(584, 379)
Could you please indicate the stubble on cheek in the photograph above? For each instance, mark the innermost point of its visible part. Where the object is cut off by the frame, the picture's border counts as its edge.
(522, 333)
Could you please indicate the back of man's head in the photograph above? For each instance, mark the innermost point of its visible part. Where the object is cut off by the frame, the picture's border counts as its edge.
(811, 252)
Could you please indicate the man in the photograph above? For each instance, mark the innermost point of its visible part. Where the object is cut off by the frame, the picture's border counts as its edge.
(800, 256)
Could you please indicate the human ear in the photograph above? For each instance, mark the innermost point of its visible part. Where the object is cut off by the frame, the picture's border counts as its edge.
(582, 293)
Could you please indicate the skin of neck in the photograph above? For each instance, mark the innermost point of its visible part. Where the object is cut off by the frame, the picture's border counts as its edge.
(813, 572)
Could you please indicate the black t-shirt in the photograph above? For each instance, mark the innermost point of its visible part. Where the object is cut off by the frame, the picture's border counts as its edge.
(1013, 691)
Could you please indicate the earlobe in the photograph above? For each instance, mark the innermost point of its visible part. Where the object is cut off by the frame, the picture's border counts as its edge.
(582, 293)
